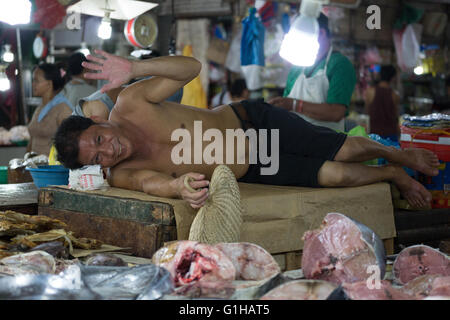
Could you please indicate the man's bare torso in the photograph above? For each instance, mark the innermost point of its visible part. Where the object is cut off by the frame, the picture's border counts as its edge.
(152, 126)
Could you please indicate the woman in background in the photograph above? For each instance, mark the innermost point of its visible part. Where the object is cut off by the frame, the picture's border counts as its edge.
(47, 84)
(381, 104)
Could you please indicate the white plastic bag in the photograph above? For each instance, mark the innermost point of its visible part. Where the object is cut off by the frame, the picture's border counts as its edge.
(407, 46)
(87, 178)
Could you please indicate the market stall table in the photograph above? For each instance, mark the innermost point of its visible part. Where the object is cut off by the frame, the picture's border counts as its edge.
(274, 217)
(20, 197)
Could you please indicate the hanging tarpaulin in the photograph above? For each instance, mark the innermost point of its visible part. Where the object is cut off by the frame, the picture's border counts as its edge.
(252, 50)
(48, 13)
(193, 93)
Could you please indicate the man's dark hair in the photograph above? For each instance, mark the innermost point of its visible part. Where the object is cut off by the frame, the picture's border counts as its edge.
(323, 23)
(52, 72)
(387, 72)
(74, 66)
(66, 140)
(237, 87)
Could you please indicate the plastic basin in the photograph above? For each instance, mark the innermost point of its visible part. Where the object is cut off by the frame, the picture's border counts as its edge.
(3, 174)
(49, 175)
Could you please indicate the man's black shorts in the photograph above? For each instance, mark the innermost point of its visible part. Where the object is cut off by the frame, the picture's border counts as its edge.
(303, 147)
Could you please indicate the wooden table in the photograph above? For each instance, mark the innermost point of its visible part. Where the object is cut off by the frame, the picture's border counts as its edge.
(20, 197)
(422, 226)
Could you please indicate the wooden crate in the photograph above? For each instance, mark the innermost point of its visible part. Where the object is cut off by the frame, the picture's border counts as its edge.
(141, 226)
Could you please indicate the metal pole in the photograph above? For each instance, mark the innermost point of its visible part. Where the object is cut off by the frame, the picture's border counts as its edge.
(22, 104)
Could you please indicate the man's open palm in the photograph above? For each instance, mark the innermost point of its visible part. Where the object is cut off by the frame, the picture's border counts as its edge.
(116, 70)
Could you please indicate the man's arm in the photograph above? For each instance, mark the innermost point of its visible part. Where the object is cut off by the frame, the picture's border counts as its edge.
(322, 111)
(168, 73)
(319, 111)
(161, 185)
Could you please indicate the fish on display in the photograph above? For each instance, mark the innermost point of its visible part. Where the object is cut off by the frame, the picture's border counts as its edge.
(189, 261)
(301, 290)
(342, 250)
(251, 261)
(362, 291)
(419, 260)
(428, 286)
(34, 262)
(104, 259)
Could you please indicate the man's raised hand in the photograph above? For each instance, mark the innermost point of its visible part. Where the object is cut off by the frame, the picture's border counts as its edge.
(115, 69)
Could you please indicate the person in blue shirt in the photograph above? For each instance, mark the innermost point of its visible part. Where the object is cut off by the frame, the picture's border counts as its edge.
(55, 107)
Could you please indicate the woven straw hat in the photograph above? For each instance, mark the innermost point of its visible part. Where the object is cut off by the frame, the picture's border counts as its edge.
(220, 219)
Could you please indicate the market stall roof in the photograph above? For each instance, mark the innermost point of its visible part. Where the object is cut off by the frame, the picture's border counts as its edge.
(123, 9)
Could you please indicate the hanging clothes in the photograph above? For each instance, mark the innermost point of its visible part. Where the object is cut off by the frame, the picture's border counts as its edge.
(252, 50)
(193, 94)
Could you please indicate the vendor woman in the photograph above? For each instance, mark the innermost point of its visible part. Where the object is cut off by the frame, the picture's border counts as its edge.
(321, 93)
(47, 83)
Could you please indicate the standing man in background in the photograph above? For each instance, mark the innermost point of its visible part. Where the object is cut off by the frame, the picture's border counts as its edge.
(236, 92)
(321, 93)
(77, 87)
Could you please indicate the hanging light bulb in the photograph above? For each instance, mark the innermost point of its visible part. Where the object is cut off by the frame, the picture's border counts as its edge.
(104, 30)
(300, 45)
(15, 12)
(4, 81)
(84, 49)
(418, 70)
(8, 56)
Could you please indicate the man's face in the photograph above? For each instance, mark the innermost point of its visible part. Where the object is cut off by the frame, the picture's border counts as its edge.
(102, 144)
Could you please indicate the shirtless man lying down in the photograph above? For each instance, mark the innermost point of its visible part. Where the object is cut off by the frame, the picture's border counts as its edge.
(137, 143)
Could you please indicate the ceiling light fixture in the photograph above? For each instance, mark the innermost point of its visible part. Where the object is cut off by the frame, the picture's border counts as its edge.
(84, 49)
(4, 81)
(8, 56)
(300, 45)
(105, 30)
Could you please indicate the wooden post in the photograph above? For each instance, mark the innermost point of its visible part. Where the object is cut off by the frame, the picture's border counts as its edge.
(293, 260)
(389, 246)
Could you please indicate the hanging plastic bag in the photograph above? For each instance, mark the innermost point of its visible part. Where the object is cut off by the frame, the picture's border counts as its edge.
(252, 50)
(407, 46)
(233, 61)
(193, 93)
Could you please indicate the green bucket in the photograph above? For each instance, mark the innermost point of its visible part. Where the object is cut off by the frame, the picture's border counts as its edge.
(3, 174)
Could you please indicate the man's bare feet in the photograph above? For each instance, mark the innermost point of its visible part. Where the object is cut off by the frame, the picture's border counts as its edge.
(420, 159)
(415, 193)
